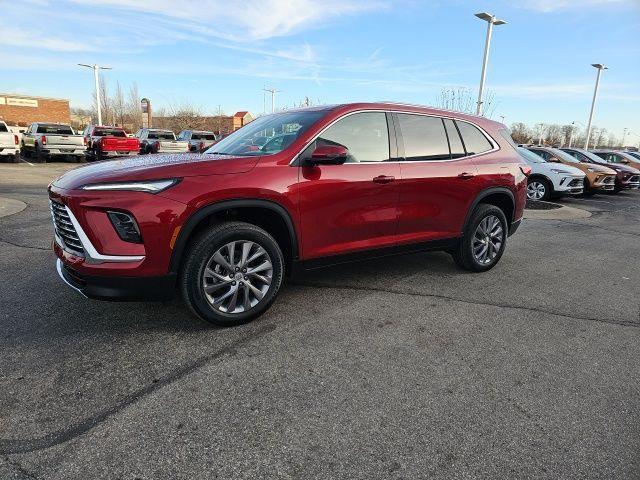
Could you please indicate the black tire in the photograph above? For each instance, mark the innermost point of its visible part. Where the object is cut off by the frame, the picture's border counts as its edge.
(463, 254)
(16, 158)
(39, 157)
(548, 188)
(198, 254)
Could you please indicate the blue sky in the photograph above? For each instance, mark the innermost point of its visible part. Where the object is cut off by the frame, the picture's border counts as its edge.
(211, 52)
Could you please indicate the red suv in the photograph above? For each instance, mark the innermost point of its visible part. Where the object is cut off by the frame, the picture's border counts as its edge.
(296, 189)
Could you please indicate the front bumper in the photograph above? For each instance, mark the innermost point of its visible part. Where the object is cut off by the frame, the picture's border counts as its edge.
(606, 183)
(118, 288)
(570, 185)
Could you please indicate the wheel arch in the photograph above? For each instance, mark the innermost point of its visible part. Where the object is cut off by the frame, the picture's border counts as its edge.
(500, 197)
(267, 214)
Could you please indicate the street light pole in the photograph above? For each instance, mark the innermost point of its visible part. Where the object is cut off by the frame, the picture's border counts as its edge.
(600, 67)
(624, 135)
(491, 21)
(571, 133)
(273, 92)
(96, 78)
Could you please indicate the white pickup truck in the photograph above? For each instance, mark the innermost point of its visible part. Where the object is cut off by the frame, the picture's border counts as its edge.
(154, 140)
(9, 144)
(44, 141)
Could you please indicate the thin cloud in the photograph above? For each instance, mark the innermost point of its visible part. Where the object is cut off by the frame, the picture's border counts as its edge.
(547, 6)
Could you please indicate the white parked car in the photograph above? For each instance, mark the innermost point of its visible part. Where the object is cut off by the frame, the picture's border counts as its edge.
(551, 180)
(9, 144)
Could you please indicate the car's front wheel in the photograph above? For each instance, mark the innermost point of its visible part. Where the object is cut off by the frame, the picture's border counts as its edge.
(484, 239)
(232, 273)
(539, 189)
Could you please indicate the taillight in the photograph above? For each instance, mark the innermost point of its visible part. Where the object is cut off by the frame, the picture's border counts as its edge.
(526, 170)
(85, 141)
(201, 146)
(157, 146)
(43, 139)
(15, 139)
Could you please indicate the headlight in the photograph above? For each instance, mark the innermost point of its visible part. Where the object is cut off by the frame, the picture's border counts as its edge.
(564, 172)
(149, 186)
(591, 170)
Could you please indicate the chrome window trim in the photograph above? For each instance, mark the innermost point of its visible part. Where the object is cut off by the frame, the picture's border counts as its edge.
(493, 143)
(91, 254)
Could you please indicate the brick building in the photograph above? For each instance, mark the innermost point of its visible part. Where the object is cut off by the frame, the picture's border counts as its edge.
(21, 110)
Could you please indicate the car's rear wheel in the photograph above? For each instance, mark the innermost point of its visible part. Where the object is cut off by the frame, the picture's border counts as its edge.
(539, 189)
(483, 241)
(232, 273)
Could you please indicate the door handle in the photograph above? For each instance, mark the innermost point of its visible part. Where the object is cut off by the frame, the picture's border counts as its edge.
(466, 175)
(384, 179)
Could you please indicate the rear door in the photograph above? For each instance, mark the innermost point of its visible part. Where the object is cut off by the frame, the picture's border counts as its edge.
(354, 206)
(438, 179)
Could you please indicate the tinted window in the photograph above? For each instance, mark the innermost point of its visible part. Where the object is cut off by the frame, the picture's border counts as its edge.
(202, 136)
(55, 129)
(364, 134)
(109, 132)
(455, 143)
(474, 139)
(3, 128)
(424, 137)
(155, 135)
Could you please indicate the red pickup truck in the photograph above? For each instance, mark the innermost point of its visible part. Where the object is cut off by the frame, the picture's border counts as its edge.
(103, 142)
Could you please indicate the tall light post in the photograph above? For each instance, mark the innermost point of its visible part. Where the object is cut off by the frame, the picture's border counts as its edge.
(600, 67)
(624, 135)
(491, 21)
(96, 77)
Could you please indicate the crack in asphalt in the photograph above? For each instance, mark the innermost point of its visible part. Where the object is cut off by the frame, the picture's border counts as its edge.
(48, 249)
(63, 435)
(623, 323)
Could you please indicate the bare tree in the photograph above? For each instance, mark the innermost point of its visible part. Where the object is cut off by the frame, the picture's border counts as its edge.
(521, 133)
(119, 106)
(134, 112)
(461, 99)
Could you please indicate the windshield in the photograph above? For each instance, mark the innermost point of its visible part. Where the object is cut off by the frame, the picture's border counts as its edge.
(161, 136)
(267, 135)
(529, 156)
(109, 132)
(55, 129)
(591, 156)
(564, 156)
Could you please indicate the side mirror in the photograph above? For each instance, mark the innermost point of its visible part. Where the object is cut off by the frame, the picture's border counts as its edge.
(328, 155)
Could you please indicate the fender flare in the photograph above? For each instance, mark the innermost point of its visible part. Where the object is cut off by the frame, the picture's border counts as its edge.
(484, 194)
(211, 209)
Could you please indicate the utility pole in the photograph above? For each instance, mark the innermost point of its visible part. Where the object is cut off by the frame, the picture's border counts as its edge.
(95, 69)
(273, 92)
(491, 21)
(600, 67)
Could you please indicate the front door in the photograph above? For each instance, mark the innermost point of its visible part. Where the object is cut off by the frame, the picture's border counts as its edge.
(353, 206)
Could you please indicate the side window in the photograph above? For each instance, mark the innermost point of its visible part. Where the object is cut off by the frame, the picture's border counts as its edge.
(455, 143)
(474, 140)
(424, 137)
(365, 135)
(612, 157)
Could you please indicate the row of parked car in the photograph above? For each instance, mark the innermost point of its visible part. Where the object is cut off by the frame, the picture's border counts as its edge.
(574, 171)
(42, 142)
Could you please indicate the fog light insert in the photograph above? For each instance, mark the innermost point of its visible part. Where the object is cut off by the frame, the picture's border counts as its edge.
(125, 226)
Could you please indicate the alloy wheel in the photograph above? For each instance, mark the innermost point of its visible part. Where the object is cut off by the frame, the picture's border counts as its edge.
(536, 190)
(237, 276)
(487, 239)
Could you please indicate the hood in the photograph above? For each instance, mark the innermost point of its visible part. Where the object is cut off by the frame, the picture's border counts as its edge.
(155, 167)
(622, 168)
(596, 168)
(548, 166)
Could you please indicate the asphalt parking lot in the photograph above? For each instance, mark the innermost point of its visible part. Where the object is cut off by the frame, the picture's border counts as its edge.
(404, 367)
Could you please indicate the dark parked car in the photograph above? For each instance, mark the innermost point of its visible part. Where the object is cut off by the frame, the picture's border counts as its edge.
(350, 181)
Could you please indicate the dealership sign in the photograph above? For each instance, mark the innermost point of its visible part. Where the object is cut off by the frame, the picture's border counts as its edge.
(19, 102)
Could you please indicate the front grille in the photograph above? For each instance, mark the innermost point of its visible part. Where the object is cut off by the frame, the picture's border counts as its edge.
(634, 179)
(609, 180)
(64, 228)
(576, 182)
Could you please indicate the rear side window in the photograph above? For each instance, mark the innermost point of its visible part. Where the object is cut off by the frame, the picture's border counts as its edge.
(455, 143)
(474, 140)
(542, 153)
(3, 128)
(424, 137)
(365, 135)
